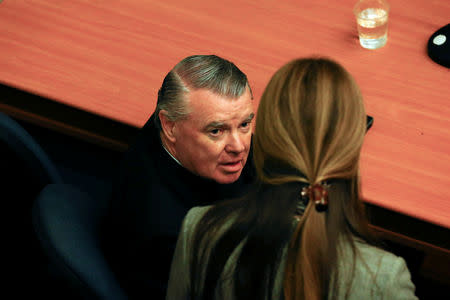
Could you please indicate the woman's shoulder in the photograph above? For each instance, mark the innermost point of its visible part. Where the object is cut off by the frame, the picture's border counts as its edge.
(374, 255)
(197, 212)
(194, 215)
(378, 261)
(378, 271)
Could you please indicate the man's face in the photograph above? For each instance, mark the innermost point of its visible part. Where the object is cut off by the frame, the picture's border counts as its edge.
(214, 141)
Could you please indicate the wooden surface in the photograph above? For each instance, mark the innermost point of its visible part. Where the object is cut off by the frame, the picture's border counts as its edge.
(109, 58)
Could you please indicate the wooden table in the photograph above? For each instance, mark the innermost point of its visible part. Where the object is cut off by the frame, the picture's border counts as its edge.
(106, 60)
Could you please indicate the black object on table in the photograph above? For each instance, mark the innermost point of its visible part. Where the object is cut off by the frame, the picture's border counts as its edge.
(439, 46)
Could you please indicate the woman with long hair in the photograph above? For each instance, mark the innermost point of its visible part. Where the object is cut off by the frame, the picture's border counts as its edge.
(301, 233)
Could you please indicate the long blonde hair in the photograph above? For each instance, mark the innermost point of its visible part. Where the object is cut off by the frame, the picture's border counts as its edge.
(310, 128)
(311, 117)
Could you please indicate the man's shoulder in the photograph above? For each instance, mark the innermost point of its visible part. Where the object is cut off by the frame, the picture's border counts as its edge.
(144, 149)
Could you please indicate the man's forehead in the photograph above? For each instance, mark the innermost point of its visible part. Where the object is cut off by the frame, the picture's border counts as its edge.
(206, 106)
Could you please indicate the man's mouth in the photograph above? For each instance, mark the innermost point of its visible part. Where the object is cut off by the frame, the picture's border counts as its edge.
(232, 167)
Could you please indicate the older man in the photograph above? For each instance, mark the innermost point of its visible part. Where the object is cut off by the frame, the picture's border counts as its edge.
(192, 151)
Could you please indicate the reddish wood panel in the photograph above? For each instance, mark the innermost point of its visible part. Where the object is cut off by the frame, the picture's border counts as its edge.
(109, 57)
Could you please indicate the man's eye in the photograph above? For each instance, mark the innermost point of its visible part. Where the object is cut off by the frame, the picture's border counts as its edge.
(215, 132)
(245, 124)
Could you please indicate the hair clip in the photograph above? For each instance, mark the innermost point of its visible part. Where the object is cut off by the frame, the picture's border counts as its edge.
(317, 193)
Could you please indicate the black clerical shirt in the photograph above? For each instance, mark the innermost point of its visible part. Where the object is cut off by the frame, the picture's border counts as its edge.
(151, 196)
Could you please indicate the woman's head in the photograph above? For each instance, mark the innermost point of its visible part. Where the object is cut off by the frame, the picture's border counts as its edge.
(310, 128)
(311, 118)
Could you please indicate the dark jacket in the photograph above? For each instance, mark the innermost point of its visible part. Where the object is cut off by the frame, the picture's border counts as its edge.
(151, 196)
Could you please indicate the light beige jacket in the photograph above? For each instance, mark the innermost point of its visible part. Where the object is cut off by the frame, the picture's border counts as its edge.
(377, 274)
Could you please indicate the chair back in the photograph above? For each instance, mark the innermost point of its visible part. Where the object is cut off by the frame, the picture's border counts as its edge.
(22, 153)
(68, 225)
(25, 170)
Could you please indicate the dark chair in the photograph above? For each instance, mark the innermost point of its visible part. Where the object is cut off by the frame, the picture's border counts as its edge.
(25, 169)
(21, 154)
(67, 222)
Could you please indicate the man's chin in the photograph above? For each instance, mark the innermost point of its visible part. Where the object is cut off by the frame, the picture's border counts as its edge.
(227, 178)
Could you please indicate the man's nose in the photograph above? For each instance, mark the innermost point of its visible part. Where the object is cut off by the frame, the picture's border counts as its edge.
(236, 143)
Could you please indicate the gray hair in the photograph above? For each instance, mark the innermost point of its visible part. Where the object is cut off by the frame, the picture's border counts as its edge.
(198, 72)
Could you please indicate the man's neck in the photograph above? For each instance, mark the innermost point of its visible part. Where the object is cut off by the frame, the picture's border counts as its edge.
(167, 148)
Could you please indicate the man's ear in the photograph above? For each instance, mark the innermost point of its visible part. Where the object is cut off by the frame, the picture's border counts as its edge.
(167, 126)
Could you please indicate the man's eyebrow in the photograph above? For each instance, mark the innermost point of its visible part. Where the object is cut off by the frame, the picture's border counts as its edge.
(219, 124)
(250, 117)
(215, 124)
